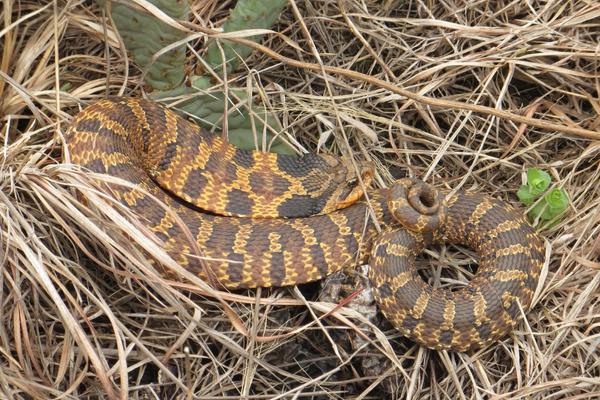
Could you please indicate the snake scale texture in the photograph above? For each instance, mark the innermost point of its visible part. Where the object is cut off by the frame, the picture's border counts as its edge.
(262, 219)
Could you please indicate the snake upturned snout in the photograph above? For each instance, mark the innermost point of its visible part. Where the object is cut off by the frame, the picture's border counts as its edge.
(416, 205)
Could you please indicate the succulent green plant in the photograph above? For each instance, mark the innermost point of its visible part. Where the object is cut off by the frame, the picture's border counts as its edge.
(551, 204)
(243, 119)
(247, 14)
(537, 183)
(144, 36)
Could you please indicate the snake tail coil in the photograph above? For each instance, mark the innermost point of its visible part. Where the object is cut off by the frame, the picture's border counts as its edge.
(510, 258)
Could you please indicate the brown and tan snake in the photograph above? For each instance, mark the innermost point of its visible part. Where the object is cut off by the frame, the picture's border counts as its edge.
(263, 219)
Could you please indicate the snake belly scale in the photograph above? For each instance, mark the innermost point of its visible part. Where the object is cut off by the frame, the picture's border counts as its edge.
(263, 219)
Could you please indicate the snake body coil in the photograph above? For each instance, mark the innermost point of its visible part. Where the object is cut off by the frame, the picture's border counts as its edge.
(144, 144)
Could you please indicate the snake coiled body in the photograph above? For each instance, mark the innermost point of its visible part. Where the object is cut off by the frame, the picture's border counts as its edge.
(325, 228)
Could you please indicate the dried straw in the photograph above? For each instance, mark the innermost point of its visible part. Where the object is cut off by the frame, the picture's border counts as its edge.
(465, 94)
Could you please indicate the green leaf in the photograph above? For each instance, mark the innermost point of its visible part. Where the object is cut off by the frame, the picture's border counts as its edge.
(554, 203)
(537, 211)
(551, 206)
(557, 201)
(525, 195)
(538, 181)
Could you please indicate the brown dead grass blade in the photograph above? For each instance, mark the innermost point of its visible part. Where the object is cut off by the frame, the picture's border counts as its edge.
(466, 94)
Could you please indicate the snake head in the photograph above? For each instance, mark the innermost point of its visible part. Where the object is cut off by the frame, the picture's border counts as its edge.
(350, 188)
(353, 189)
(417, 205)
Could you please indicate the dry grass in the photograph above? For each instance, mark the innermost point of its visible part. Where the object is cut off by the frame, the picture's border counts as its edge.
(83, 315)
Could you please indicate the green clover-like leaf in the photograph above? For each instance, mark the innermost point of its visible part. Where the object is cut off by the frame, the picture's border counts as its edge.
(538, 181)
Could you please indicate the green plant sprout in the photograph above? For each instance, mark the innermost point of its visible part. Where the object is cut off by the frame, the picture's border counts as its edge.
(551, 205)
